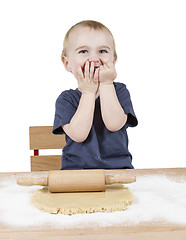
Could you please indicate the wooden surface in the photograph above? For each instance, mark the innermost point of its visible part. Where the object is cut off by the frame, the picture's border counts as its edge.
(45, 163)
(41, 137)
(143, 231)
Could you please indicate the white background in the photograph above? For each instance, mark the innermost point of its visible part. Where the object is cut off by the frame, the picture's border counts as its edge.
(151, 45)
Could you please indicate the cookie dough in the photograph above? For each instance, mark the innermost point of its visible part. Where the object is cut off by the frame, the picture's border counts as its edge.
(115, 198)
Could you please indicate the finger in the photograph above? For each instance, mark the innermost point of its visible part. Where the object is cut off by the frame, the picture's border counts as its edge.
(86, 71)
(105, 66)
(91, 70)
(101, 62)
(101, 67)
(96, 76)
(109, 64)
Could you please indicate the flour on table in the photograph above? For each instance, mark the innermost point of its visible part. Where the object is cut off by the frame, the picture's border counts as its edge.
(156, 198)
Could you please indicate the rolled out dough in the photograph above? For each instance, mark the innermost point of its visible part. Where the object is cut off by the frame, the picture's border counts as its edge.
(115, 198)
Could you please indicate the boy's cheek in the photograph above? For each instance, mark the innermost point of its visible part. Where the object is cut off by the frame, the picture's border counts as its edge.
(79, 70)
(110, 63)
(75, 72)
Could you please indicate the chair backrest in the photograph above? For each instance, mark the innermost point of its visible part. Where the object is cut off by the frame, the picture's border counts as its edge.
(41, 137)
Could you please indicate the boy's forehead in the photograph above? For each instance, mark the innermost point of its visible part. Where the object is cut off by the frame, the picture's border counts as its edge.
(86, 35)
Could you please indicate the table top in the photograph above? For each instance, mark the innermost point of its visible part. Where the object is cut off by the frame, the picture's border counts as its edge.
(147, 230)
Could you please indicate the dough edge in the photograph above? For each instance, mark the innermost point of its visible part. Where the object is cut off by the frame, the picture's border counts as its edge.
(71, 210)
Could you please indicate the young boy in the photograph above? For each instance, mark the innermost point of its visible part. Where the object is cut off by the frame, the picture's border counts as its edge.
(95, 116)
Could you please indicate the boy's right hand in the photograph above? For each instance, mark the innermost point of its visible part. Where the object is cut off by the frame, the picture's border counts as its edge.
(88, 81)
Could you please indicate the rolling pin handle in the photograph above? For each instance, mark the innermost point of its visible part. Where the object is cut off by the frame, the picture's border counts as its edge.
(29, 181)
(110, 179)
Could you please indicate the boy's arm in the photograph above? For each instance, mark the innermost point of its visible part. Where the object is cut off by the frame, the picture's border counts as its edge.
(81, 123)
(111, 110)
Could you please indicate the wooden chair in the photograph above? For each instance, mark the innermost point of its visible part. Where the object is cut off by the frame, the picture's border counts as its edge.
(42, 138)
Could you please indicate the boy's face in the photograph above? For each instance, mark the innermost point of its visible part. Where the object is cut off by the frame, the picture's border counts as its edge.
(85, 44)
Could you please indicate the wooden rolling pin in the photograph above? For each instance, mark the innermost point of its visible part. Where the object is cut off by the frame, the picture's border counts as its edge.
(76, 180)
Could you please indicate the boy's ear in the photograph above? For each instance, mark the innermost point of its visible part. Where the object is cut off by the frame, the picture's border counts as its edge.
(66, 63)
(114, 61)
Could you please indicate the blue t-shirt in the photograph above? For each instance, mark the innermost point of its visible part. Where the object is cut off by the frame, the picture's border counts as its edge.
(102, 149)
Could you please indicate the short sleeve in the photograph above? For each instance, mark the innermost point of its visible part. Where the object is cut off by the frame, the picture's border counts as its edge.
(126, 103)
(64, 111)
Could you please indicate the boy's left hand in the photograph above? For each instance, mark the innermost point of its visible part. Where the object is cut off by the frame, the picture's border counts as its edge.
(107, 73)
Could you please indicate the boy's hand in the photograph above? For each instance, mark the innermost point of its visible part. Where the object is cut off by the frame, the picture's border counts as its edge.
(107, 73)
(88, 81)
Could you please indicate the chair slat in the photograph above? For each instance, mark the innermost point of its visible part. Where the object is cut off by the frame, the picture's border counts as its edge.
(41, 137)
(45, 163)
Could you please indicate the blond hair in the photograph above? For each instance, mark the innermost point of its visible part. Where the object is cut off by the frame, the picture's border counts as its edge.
(91, 24)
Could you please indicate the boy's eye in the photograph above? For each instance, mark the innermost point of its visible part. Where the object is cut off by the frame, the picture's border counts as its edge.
(83, 51)
(103, 51)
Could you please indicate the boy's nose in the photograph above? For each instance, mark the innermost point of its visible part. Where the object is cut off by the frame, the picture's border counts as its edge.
(95, 59)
